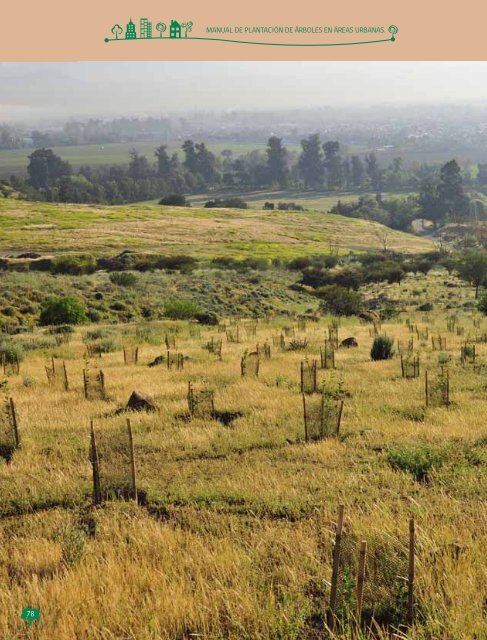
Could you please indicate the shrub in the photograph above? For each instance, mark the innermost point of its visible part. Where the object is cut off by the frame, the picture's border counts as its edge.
(74, 265)
(61, 329)
(382, 348)
(339, 301)
(182, 263)
(418, 460)
(97, 334)
(427, 306)
(482, 304)
(181, 309)
(11, 352)
(56, 310)
(175, 200)
(207, 318)
(123, 278)
(230, 203)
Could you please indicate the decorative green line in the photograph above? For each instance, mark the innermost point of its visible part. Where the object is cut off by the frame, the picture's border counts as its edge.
(265, 44)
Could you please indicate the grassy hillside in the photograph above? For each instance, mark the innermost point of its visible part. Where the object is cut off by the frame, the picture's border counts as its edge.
(233, 534)
(205, 233)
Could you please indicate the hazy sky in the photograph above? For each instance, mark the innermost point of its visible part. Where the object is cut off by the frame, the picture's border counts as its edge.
(36, 90)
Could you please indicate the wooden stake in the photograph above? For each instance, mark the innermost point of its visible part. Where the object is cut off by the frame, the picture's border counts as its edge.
(85, 384)
(96, 467)
(66, 384)
(360, 583)
(132, 461)
(15, 424)
(339, 417)
(410, 615)
(304, 417)
(335, 568)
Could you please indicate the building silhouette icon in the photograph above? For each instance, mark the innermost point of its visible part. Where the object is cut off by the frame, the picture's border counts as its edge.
(145, 28)
(130, 33)
(175, 29)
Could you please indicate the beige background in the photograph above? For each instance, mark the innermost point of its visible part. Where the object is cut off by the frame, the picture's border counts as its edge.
(59, 30)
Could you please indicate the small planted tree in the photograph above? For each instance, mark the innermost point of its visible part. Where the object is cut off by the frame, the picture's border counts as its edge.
(382, 348)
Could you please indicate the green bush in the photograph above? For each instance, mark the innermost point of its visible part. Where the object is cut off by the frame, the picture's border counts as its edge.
(97, 334)
(340, 301)
(123, 278)
(382, 348)
(11, 352)
(74, 265)
(482, 304)
(175, 200)
(57, 311)
(207, 318)
(181, 309)
(417, 459)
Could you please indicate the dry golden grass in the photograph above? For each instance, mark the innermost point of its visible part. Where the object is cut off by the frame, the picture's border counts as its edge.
(49, 227)
(234, 532)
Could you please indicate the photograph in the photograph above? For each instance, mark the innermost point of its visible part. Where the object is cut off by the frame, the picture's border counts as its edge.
(243, 347)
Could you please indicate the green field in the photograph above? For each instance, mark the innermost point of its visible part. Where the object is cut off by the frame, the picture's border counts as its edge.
(204, 233)
(15, 162)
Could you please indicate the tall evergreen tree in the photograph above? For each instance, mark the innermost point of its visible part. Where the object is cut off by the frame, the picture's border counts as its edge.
(277, 169)
(451, 197)
(45, 167)
(374, 172)
(310, 163)
(358, 172)
(333, 165)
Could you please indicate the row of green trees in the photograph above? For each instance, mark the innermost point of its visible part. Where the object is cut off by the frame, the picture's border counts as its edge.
(318, 166)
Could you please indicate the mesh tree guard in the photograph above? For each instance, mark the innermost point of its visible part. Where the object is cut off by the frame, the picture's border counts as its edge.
(170, 340)
(175, 361)
(405, 346)
(112, 459)
(309, 379)
(57, 375)
(130, 355)
(468, 354)
(385, 588)
(11, 366)
(322, 416)
(93, 349)
(438, 343)
(9, 429)
(437, 389)
(250, 364)
(234, 335)
(410, 366)
(201, 402)
(327, 354)
(94, 384)
(333, 336)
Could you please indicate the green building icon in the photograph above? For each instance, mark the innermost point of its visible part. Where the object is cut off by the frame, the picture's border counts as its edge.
(130, 31)
(145, 28)
(174, 29)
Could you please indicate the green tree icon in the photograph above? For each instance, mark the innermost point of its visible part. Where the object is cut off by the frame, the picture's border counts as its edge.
(188, 27)
(117, 30)
(30, 615)
(161, 27)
